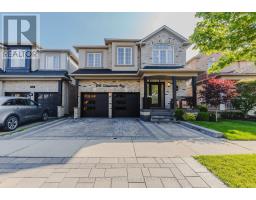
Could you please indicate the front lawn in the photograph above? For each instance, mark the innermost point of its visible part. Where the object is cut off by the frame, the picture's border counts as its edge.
(233, 170)
(232, 129)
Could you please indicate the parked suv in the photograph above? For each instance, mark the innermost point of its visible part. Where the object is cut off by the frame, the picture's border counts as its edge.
(17, 110)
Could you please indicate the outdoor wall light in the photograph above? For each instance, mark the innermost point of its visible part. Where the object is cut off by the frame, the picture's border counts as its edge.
(168, 84)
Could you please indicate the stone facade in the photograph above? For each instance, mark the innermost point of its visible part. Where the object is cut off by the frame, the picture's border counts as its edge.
(163, 37)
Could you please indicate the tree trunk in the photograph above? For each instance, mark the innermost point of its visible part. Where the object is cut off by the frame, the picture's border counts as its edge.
(216, 115)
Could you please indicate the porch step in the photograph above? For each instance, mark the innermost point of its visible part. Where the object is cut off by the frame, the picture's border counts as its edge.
(161, 118)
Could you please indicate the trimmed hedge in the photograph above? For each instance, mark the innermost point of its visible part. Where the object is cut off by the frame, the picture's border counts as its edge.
(202, 108)
(203, 116)
(179, 114)
(212, 116)
(189, 117)
(232, 115)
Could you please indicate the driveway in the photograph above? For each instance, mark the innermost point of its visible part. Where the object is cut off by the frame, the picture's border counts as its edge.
(110, 153)
(109, 129)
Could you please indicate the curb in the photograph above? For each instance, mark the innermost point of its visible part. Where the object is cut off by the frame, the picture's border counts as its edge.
(206, 131)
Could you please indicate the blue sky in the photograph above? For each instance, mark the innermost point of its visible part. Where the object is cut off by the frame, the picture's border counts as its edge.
(63, 30)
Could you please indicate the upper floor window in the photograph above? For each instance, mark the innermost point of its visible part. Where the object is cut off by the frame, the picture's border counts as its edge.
(18, 58)
(124, 56)
(211, 60)
(52, 62)
(163, 54)
(94, 59)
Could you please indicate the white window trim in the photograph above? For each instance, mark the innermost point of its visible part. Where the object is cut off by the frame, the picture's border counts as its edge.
(23, 59)
(117, 57)
(166, 56)
(52, 67)
(94, 59)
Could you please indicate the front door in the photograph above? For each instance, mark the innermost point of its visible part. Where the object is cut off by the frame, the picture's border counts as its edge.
(155, 93)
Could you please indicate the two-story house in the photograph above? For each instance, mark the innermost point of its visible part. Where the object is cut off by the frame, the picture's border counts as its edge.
(43, 77)
(133, 77)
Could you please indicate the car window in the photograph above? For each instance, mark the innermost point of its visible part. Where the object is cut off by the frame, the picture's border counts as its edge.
(10, 102)
(21, 102)
(31, 103)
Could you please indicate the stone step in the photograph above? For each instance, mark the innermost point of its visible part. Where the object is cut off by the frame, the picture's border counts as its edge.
(161, 114)
(161, 118)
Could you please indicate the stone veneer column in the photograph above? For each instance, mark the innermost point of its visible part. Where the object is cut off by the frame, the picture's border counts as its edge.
(110, 105)
(194, 95)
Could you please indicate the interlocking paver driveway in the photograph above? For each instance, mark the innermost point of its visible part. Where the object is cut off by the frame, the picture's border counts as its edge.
(117, 128)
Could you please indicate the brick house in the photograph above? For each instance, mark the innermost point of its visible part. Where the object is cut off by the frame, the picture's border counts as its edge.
(134, 77)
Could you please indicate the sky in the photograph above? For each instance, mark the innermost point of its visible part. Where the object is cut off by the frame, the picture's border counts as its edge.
(64, 30)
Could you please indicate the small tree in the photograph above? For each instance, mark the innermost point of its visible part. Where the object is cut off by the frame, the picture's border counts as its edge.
(246, 98)
(216, 92)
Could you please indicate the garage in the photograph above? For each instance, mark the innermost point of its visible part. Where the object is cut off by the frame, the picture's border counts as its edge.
(17, 94)
(94, 104)
(125, 104)
(49, 100)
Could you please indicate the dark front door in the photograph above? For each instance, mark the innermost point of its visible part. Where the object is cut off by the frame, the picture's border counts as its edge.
(49, 100)
(94, 104)
(125, 104)
(156, 94)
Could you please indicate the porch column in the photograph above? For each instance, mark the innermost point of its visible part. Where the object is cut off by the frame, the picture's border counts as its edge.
(194, 95)
(145, 93)
(174, 86)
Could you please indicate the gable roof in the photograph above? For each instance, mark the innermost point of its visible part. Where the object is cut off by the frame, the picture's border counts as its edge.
(164, 27)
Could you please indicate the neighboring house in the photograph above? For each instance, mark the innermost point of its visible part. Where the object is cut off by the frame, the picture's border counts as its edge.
(44, 77)
(236, 71)
(129, 77)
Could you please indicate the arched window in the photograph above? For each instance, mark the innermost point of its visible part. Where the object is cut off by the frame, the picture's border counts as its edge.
(163, 54)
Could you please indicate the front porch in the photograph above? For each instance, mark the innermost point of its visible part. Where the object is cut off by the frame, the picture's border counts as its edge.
(164, 94)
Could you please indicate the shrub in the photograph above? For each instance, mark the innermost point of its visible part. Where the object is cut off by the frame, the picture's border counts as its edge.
(202, 108)
(179, 114)
(203, 116)
(189, 117)
(212, 116)
(232, 115)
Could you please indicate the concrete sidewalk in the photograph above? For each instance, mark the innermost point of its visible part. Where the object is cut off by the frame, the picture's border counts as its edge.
(134, 172)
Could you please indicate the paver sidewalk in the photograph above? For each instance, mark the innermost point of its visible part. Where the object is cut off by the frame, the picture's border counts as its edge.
(151, 172)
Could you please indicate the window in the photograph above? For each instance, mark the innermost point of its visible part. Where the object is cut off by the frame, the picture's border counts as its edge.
(18, 58)
(211, 60)
(10, 102)
(124, 55)
(52, 62)
(21, 102)
(31, 103)
(163, 54)
(94, 60)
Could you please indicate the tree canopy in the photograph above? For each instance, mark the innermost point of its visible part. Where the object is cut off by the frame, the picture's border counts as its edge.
(233, 35)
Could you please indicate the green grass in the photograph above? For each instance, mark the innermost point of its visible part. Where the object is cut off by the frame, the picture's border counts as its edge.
(234, 170)
(232, 129)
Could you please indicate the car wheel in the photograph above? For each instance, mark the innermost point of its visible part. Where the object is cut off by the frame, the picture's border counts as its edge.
(11, 123)
(45, 116)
